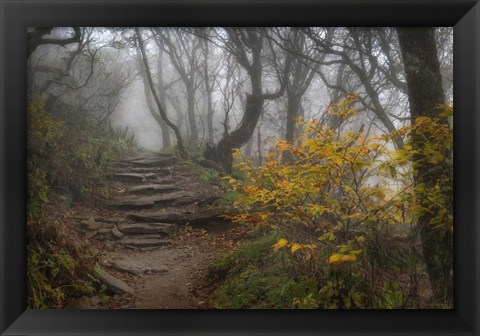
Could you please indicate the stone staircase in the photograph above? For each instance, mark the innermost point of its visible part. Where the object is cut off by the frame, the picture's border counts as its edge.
(148, 183)
(156, 196)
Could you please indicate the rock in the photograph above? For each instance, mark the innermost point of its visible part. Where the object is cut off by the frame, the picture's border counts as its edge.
(173, 196)
(104, 231)
(175, 217)
(144, 242)
(107, 226)
(135, 267)
(82, 302)
(149, 162)
(150, 236)
(147, 156)
(90, 234)
(134, 177)
(142, 228)
(145, 202)
(90, 224)
(126, 203)
(146, 188)
(116, 233)
(114, 284)
(164, 181)
(144, 170)
(112, 220)
(183, 201)
(95, 301)
(150, 248)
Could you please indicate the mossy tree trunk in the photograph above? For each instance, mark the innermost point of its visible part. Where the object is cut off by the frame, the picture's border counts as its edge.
(425, 92)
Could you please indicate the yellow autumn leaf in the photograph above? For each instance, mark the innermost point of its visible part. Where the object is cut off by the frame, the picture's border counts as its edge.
(357, 215)
(282, 145)
(335, 258)
(327, 235)
(361, 240)
(295, 247)
(421, 120)
(281, 243)
(349, 257)
(263, 216)
(236, 154)
(341, 258)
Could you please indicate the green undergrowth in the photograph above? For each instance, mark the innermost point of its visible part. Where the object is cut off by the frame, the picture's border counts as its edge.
(56, 270)
(212, 176)
(205, 174)
(257, 277)
(75, 161)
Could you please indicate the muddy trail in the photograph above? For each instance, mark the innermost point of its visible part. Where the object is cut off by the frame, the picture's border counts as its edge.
(157, 237)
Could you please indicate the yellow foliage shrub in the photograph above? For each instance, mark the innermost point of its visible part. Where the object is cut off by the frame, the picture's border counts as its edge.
(344, 189)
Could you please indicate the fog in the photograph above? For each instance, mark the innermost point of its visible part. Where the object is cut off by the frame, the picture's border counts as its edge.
(336, 143)
(249, 85)
(132, 114)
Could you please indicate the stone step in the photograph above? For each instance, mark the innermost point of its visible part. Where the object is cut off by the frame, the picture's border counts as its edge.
(145, 156)
(144, 241)
(174, 218)
(135, 267)
(134, 177)
(164, 181)
(89, 224)
(114, 284)
(147, 162)
(146, 228)
(145, 202)
(101, 220)
(149, 188)
(141, 170)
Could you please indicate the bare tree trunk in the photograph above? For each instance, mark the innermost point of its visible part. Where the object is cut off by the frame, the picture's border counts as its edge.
(425, 92)
(208, 89)
(153, 109)
(178, 46)
(247, 152)
(293, 108)
(259, 145)
(300, 128)
(222, 152)
(166, 141)
(181, 149)
(191, 111)
(250, 40)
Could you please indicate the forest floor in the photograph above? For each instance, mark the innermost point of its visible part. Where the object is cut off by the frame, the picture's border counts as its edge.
(156, 237)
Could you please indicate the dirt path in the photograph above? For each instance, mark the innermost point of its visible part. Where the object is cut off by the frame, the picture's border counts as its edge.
(176, 273)
(158, 236)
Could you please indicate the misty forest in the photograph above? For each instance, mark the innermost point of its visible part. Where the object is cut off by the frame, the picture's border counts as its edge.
(216, 168)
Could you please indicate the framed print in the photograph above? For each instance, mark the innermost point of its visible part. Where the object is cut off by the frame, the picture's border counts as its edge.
(151, 132)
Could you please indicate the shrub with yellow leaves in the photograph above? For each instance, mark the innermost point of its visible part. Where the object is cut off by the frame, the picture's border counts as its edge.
(341, 192)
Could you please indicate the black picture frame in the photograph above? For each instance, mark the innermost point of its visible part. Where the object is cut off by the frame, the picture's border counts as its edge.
(17, 15)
